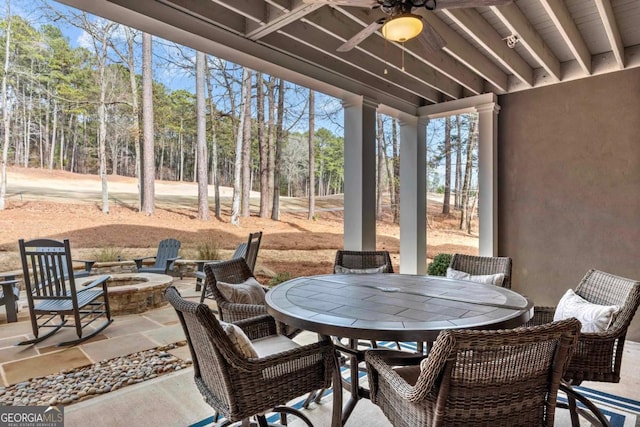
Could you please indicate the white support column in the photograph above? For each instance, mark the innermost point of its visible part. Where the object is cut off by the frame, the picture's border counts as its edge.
(488, 177)
(413, 195)
(359, 174)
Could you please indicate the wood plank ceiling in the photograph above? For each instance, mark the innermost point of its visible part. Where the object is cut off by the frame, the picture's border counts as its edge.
(501, 49)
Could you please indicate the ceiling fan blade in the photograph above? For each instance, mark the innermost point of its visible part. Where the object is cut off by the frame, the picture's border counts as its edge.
(363, 34)
(454, 4)
(354, 3)
(430, 39)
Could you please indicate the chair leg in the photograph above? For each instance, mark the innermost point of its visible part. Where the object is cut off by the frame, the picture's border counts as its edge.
(594, 416)
(285, 410)
(310, 398)
(319, 395)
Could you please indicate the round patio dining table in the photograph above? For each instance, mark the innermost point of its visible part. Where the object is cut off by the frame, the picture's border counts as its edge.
(391, 307)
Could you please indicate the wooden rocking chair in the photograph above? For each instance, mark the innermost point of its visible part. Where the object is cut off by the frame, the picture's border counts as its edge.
(52, 293)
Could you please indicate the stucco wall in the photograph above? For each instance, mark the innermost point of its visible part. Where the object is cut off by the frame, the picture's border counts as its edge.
(569, 184)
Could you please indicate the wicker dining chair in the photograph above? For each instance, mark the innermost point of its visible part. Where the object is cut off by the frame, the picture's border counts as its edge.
(247, 250)
(239, 386)
(363, 260)
(233, 271)
(470, 377)
(481, 265)
(598, 355)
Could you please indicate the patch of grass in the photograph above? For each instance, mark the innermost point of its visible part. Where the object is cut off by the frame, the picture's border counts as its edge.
(208, 249)
(279, 278)
(108, 254)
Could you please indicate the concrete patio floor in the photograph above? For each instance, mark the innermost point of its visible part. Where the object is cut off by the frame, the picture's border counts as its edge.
(172, 399)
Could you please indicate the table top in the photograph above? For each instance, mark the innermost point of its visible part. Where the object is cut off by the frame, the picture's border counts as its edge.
(394, 307)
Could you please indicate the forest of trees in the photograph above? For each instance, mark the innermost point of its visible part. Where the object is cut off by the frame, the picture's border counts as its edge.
(100, 109)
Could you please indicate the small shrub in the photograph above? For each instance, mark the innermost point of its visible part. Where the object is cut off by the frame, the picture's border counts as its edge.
(279, 278)
(439, 265)
(208, 249)
(108, 254)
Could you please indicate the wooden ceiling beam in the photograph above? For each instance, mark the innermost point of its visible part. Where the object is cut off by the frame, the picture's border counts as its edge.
(513, 18)
(281, 17)
(332, 28)
(458, 47)
(486, 36)
(561, 18)
(611, 28)
(410, 90)
(439, 60)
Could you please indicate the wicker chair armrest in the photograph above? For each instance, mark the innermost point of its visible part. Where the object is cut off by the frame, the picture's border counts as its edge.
(138, 261)
(302, 356)
(258, 327)
(232, 312)
(541, 315)
(297, 353)
(397, 357)
(100, 281)
(378, 367)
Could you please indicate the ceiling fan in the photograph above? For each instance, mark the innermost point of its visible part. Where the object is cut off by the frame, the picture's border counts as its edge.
(401, 24)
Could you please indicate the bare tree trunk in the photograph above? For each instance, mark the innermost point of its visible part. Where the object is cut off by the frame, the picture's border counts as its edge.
(380, 140)
(271, 102)
(246, 151)
(102, 133)
(458, 182)
(446, 204)
(135, 109)
(27, 137)
(202, 157)
(466, 185)
(5, 110)
(148, 166)
(237, 174)
(396, 172)
(214, 143)
(312, 154)
(471, 212)
(181, 147)
(263, 149)
(54, 132)
(275, 212)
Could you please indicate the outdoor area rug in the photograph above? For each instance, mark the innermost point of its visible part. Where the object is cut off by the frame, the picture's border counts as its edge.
(621, 411)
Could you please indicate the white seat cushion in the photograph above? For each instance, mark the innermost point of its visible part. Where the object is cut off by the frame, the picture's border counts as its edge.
(594, 317)
(272, 345)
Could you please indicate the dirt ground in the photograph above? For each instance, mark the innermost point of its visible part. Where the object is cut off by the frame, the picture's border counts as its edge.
(57, 204)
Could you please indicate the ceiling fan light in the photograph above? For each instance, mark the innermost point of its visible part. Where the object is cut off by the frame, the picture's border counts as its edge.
(402, 27)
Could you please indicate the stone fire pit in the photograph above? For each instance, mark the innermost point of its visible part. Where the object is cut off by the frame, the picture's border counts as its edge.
(131, 293)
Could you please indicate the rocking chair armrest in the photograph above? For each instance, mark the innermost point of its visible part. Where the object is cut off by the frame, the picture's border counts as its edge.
(138, 261)
(101, 280)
